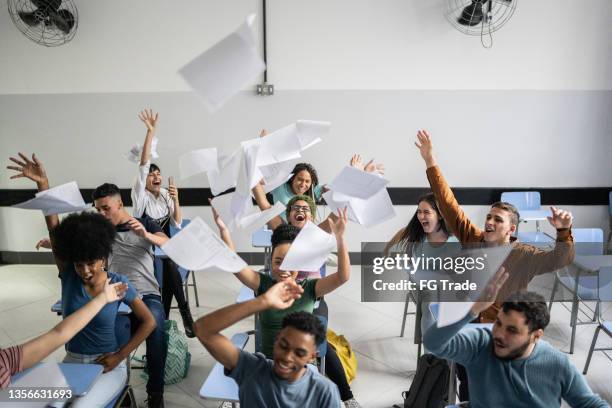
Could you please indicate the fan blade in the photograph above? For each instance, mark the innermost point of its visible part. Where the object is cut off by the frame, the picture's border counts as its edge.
(30, 19)
(63, 19)
(472, 14)
(47, 6)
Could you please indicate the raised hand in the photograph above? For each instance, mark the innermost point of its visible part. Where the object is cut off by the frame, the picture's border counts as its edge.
(173, 192)
(263, 133)
(560, 218)
(137, 227)
(339, 226)
(356, 162)
(149, 119)
(372, 167)
(114, 291)
(283, 294)
(29, 168)
(43, 243)
(490, 292)
(425, 147)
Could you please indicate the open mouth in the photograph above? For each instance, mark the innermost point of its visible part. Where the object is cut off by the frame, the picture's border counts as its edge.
(156, 183)
(489, 229)
(284, 368)
(425, 224)
(300, 217)
(284, 275)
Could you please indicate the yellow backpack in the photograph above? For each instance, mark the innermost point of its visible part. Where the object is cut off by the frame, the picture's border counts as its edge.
(345, 354)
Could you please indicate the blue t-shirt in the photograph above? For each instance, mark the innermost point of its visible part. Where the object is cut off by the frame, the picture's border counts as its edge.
(258, 386)
(99, 335)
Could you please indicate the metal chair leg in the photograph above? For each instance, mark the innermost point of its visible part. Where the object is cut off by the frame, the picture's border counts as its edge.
(452, 393)
(195, 288)
(573, 321)
(405, 314)
(552, 295)
(588, 360)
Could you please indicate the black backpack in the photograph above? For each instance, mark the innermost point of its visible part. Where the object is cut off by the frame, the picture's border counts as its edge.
(429, 388)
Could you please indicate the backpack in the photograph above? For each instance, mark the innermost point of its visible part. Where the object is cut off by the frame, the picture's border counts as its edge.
(429, 388)
(178, 357)
(345, 354)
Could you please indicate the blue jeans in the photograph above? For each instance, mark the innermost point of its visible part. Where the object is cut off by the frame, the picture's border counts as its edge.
(157, 345)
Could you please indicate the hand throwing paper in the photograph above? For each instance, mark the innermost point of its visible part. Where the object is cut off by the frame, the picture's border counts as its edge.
(135, 152)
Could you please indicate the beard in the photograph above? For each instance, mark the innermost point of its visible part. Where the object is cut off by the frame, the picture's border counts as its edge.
(515, 352)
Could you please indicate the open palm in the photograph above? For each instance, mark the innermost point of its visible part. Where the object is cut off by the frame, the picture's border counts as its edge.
(29, 168)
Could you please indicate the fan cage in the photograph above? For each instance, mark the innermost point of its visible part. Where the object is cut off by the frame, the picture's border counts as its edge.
(501, 11)
(43, 34)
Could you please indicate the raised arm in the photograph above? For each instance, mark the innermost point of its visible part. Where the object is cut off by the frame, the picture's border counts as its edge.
(155, 238)
(564, 251)
(34, 170)
(247, 276)
(150, 121)
(262, 202)
(370, 167)
(177, 214)
(335, 280)
(40, 347)
(208, 328)
(453, 215)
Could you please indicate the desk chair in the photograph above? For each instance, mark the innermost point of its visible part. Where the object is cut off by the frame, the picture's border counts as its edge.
(588, 241)
(604, 295)
(262, 238)
(528, 203)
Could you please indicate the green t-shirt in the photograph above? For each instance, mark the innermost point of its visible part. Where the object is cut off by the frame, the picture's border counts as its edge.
(271, 320)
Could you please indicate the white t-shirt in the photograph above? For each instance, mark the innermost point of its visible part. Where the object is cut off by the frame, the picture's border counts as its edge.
(159, 208)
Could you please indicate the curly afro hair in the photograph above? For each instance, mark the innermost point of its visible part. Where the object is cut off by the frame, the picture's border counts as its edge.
(284, 234)
(306, 322)
(83, 237)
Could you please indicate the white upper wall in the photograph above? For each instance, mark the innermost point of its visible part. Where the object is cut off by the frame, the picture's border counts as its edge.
(138, 46)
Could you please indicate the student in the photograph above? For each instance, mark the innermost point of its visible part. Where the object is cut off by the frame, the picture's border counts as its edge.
(425, 235)
(271, 320)
(525, 261)
(23, 356)
(149, 198)
(133, 256)
(81, 246)
(511, 365)
(284, 379)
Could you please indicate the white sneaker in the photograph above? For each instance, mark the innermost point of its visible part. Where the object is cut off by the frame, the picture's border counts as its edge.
(227, 404)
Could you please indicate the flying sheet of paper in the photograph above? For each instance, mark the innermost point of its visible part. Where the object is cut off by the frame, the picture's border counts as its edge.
(277, 174)
(197, 247)
(357, 183)
(311, 132)
(309, 250)
(494, 257)
(57, 200)
(225, 68)
(134, 154)
(223, 205)
(336, 201)
(279, 146)
(257, 219)
(198, 161)
(374, 210)
(225, 178)
(248, 173)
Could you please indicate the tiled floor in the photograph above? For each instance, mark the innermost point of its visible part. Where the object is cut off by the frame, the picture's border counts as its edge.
(385, 360)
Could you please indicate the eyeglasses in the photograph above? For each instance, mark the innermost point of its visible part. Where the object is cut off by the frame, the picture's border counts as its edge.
(300, 208)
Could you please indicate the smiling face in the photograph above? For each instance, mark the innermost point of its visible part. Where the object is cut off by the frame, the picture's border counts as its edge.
(511, 336)
(428, 217)
(293, 349)
(301, 182)
(498, 226)
(154, 182)
(299, 214)
(90, 272)
(278, 254)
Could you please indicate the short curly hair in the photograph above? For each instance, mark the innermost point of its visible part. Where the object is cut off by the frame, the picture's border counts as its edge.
(309, 200)
(284, 234)
(83, 237)
(306, 322)
(532, 305)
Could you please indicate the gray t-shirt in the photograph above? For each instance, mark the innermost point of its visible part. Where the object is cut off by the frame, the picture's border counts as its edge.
(260, 387)
(132, 257)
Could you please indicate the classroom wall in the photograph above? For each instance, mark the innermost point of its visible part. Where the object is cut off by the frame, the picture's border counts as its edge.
(533, 111)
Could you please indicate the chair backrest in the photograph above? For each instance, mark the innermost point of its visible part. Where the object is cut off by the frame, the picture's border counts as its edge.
(174, 230)
(523, 200)
(589, 241)
(262, 238)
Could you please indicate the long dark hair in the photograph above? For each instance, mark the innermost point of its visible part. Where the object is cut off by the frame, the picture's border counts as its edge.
(313, 177)
(414, 233)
